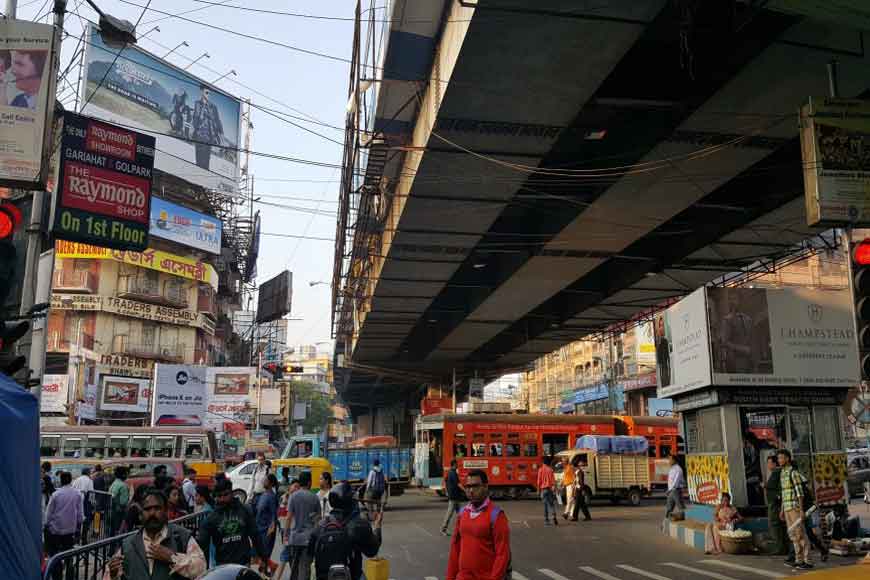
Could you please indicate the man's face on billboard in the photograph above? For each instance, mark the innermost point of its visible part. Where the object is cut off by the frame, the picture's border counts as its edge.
(205, 94)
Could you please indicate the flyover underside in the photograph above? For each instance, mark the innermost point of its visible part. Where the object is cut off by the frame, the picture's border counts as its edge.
(531, 260)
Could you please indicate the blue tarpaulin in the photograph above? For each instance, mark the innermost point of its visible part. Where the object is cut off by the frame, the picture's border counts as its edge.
(20, 492)
(618, 444)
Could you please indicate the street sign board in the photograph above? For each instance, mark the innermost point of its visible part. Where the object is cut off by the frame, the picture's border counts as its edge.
(103, 191)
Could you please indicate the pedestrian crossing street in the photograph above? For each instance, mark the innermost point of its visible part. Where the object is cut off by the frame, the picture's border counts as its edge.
(709, 569)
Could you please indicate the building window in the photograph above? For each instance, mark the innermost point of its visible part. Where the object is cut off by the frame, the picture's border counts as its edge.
(827, 429)
(711, 431)
(799, 420)
(690, 422)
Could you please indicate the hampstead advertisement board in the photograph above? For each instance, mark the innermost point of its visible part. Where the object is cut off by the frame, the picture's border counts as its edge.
(177, 223)
(750, 337)
(683, 346)
(179, 395)
(196, 124)
(26, 102)
(103, 191)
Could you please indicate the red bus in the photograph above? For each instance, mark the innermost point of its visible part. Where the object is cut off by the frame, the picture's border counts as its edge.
(664, 439)
(510, 448)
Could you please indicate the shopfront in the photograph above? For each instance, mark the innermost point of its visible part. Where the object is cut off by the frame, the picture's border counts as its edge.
(590, 400)
(751, 371)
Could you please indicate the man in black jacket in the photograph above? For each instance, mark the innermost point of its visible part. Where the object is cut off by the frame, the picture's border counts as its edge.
(344, 537)
(455, 497)
(231, 528)
(773, 491)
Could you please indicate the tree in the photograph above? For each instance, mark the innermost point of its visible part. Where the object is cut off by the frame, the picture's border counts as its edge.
(319, 405)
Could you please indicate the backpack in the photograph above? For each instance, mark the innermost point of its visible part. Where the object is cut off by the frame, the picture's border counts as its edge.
(493, 516)
(378, 483)
(333, 547)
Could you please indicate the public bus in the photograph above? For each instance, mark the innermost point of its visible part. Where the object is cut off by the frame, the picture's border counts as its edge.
(664, 439)
(510, 448)
(196, 446)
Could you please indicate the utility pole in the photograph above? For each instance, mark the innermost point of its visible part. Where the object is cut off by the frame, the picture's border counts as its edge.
(11, 9)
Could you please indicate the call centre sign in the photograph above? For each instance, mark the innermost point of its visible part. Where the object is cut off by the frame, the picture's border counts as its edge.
(104, 184)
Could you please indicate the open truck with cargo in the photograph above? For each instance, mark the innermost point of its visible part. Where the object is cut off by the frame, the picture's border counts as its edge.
(614, 467)
(352, 462)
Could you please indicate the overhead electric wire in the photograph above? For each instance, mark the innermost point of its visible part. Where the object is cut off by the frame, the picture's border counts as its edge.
(192, 10)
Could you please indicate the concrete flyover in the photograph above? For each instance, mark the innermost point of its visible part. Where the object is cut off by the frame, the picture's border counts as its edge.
(532, 172)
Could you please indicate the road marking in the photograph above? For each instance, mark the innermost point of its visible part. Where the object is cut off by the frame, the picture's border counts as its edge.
(652, 575)
(517, 576)
(742, 568)
(425, 531)
(431, 578)
(551, 574)
(598, 573)
(706, 573)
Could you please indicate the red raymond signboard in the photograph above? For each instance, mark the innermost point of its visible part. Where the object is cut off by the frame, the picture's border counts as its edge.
(104, 184)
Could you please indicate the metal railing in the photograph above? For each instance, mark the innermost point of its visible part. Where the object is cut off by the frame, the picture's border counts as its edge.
(88, 562)
(98, 517)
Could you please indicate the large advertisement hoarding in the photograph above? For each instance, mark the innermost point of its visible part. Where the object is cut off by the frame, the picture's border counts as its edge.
(55, 394)
(179, 397)
(196, 124)
(26, 91)
(230, 395)
(835, 138)
(683, 346)
(125, 394)
(177, 223)
(750, 337)
(798, 337)
(104, 184)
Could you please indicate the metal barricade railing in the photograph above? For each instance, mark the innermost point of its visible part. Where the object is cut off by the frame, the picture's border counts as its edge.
(88, 562)
(98, 517)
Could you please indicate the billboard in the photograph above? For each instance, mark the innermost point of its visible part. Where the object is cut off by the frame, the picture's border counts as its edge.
(196, 124)
(125, 394)
(55, 393)
(275, 297)
(683, 346)
(103, 190)
(835, 139)
(26, 102)
(177, 223)
(179, 395)
(750, 337)
(798, 337)
(230, 392)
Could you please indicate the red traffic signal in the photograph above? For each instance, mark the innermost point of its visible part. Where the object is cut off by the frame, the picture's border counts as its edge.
(861, 253)
(10, 218)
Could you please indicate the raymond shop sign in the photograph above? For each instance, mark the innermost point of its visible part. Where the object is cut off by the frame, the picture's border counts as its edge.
(104, 185)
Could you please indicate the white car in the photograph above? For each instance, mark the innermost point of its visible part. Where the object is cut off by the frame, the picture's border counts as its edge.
(240, 476)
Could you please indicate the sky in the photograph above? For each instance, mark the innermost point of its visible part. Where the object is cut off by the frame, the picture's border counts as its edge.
(293, 82)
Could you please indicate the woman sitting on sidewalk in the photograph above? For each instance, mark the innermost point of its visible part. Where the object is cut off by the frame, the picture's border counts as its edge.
(724, 518)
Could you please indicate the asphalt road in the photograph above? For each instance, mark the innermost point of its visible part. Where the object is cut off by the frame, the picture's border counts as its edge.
(620, 543)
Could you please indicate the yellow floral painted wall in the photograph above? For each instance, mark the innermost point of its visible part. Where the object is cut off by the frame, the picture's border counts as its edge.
(829, 477)
(708, 477)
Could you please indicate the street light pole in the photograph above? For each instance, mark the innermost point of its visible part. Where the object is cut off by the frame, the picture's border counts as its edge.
(179, 45)
(11, 9)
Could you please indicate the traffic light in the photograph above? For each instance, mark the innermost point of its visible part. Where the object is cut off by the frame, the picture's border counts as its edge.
(294, 369)
(10, 219)
(274, 369)
(11, 363)
(861, 286)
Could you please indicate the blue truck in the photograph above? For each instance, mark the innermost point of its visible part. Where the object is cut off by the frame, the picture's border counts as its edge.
(353, 462)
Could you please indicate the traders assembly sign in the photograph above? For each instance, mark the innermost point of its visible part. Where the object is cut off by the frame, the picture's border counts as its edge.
(798, 337)
(196, 124)
(179, 396)
(835, 147)
(103, 192)
(26, 102)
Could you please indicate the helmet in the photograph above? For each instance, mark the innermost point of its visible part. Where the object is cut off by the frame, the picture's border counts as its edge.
(341, 497)
(232, 572)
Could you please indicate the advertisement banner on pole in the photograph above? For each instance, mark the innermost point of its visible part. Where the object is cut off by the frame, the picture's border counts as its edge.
(26, 102)
(125, 394)
(103, 191)
(87, 409)
(835, 135)
(683, 346)
(796, 337)
(230, 391)
(177, 223)
(196, 124)
(179, 397)
(55, 393)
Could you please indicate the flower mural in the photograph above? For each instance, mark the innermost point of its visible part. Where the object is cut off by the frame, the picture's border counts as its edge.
(708, 477)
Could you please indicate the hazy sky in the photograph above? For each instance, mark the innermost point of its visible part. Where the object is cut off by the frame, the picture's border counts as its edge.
(309, 84)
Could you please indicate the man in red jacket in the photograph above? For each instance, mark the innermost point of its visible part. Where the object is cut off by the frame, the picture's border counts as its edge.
(481, 545)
